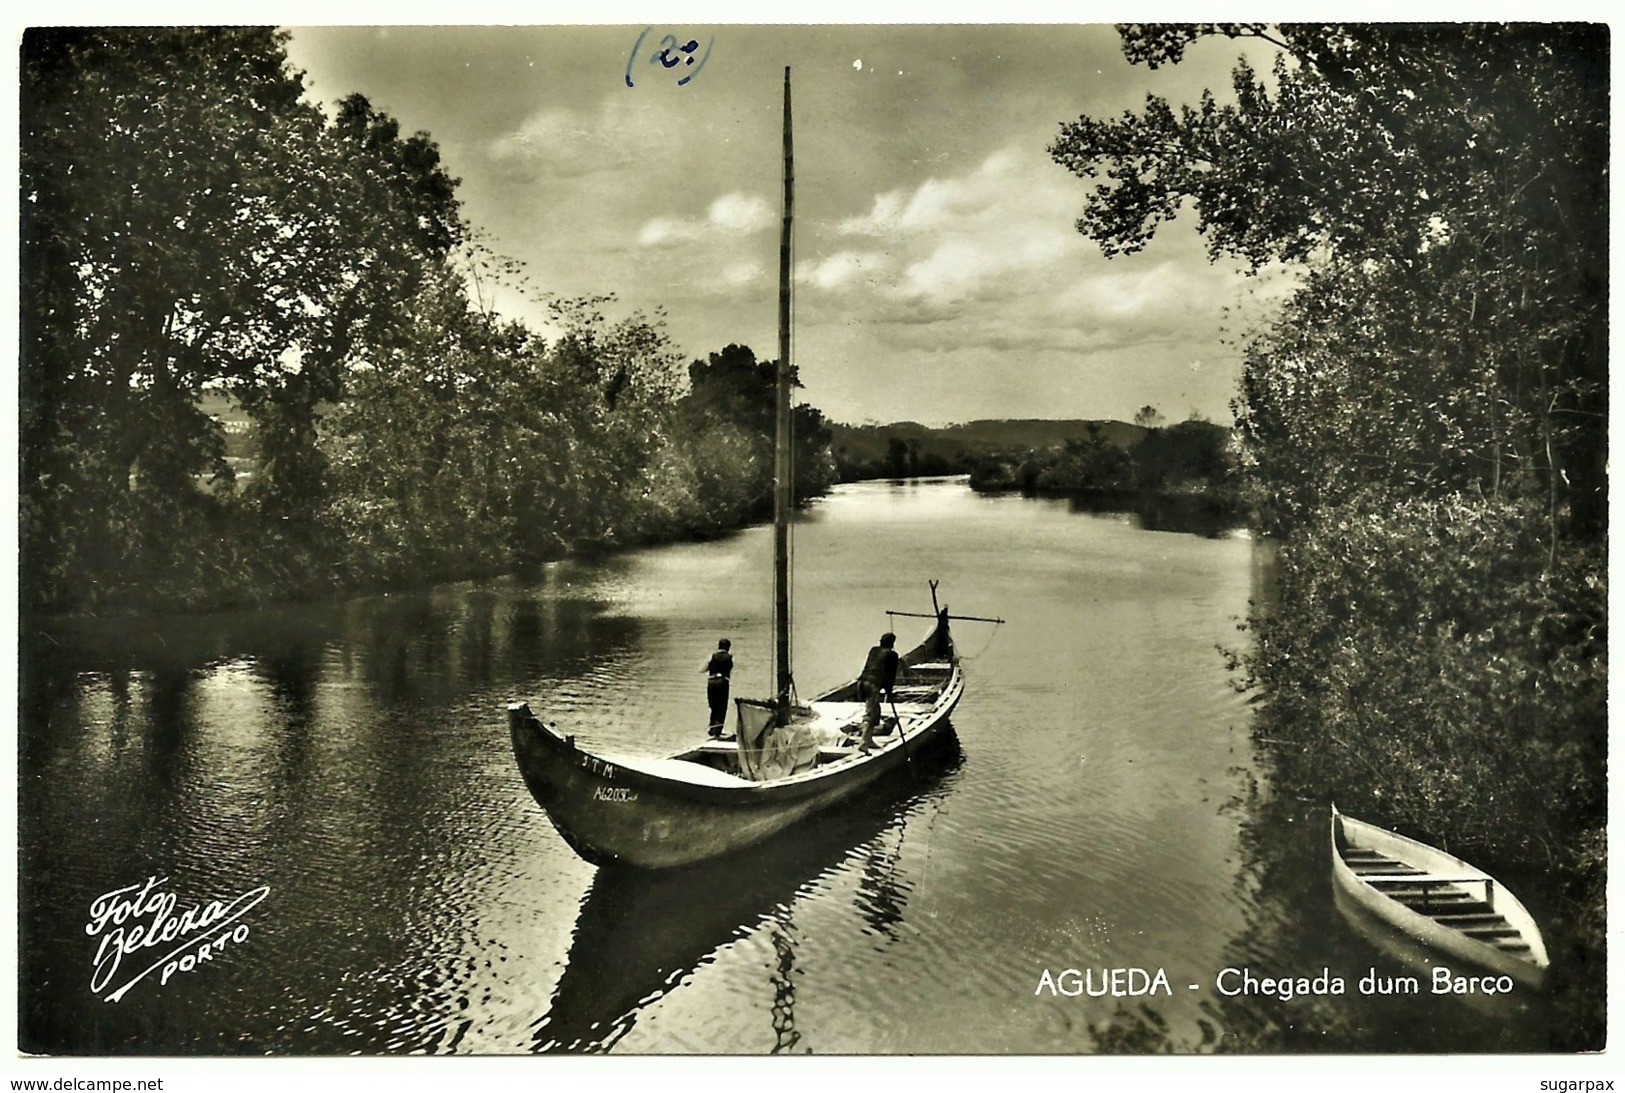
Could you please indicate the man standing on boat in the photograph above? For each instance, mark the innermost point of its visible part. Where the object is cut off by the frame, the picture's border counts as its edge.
(717, 670)
(879, 675)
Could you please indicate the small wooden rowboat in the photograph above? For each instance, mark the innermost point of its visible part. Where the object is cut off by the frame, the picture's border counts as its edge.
(720, 797)
(1438, 899)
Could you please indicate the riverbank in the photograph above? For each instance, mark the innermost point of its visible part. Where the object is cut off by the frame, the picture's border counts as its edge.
(1194, 510)
(1434, 666)
(406, 486)
(284, 575)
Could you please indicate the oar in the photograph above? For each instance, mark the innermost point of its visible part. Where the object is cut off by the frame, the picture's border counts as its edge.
(908, 760)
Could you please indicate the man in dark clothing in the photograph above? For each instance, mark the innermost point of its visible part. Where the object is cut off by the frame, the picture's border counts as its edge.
(879, 676)
(717, 670)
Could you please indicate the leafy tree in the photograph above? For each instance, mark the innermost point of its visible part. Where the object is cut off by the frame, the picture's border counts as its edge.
(1191, 453)
(140, 282)
(897, 456)
(546, 448)
(732, 387)
(385, 220)
(191, 225)
(1092, 463)
(1425, 418)
(1455, 170)
(437, 439)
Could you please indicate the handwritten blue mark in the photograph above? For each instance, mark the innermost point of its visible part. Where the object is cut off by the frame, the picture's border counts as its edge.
(672, 54)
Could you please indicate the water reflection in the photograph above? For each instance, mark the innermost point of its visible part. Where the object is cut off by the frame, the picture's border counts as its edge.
(783, 1009)
(882, 892)
(323, 750)
(1201, 516)
(354, 757)
(639, 935)
(1403, 965)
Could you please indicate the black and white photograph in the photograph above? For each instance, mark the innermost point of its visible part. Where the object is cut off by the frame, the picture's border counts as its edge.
(888, 540)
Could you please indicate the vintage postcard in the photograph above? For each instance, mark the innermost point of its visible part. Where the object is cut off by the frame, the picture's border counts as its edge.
(713, 540)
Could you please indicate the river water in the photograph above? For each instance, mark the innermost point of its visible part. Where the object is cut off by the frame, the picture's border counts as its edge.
(340, 775)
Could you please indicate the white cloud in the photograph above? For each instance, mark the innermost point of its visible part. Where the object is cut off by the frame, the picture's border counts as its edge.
(965, 265)
(664, 229)
(730, 214)
(548, 130)
(554, 143)
(742, 274)
(947, 203)
(843, 268)
(558, 142)
(742, 213)
(1134, 289)
(967, 236)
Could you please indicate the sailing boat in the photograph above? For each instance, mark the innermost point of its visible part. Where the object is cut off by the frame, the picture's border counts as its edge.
(787, 761)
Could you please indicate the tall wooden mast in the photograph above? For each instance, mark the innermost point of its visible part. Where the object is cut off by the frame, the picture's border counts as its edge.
(783, 470)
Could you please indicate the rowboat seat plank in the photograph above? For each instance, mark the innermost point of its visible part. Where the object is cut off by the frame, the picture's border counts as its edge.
(1472, 918)
(1434, 906)
(1435, 912)
(1420, 878)
(1433, 893)
(1374, 870)
(1467, 900)
(1427, 891)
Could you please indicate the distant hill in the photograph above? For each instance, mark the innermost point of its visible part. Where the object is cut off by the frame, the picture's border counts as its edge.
(865, 450)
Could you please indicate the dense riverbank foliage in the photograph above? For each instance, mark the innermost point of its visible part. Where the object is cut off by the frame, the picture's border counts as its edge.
(1193, 460)
(195, 231)
(907, 449)
(1425, 420)
(1190, 458)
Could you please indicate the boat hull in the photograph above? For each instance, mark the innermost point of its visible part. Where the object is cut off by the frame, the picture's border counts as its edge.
(610, 810)
(1351, 837)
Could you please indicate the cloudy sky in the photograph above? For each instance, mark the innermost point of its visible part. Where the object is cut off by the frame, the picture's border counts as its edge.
(939, 277)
